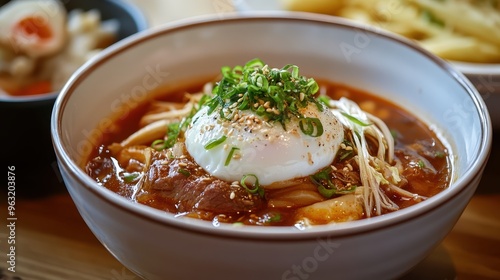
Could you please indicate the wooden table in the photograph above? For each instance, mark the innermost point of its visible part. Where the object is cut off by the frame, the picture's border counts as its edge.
(53, 242)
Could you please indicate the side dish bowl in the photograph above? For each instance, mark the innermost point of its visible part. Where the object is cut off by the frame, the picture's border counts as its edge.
(25, 120)
(158, 245)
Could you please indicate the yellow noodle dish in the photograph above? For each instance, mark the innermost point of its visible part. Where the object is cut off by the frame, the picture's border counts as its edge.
(459, 30)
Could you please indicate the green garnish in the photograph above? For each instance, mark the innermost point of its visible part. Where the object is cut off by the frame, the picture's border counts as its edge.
(215, 142)
(326, 187)
(276, 95)
(130, 177)
(230, 155)
(184, 172)
(174, 129)
(256, 186)
(345, 153)
(325, 99)
(311, 126)
(354, 119)
(274, 217)
(439, 154)
(159, 144)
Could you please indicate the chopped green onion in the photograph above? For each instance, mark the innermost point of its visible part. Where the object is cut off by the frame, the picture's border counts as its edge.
(159, 144)
(256, 186)
(274, 217)
(326, 193)
(247, 87)
(354, 120)
(174, 129)
(325, 99)
(311, 126)
(230, 155)
(215, 142)
(439, 154)
(325, 186)
(130, 177)
(345, 154)
(184, 172)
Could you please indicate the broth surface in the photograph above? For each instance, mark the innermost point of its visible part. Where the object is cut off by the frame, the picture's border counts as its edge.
(421, 157)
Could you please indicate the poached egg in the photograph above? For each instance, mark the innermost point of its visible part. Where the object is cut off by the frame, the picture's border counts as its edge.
(249, 145)
(35, 28)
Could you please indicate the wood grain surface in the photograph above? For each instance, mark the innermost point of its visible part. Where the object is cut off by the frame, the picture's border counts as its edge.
(53, 242)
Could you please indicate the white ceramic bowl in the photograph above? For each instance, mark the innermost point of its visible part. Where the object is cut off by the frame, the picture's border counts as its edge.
(156, 245)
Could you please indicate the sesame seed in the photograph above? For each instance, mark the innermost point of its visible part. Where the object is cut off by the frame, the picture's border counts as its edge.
(248, 202)
(349, 166)
(232, 195)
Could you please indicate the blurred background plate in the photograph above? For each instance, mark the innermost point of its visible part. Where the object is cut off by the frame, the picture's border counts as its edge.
(25, 121)
(484, 76)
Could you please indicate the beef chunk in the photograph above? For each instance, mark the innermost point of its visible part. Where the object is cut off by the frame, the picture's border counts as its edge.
(191, 188)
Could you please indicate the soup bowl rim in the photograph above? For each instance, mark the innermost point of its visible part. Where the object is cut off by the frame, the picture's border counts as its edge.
(271, 233)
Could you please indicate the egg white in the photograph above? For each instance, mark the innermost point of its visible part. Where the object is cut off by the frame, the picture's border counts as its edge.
(265, 150)
(51, 14)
